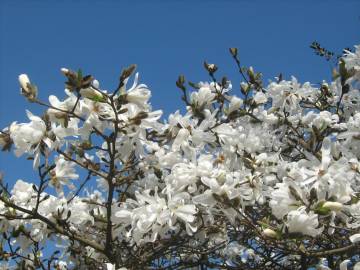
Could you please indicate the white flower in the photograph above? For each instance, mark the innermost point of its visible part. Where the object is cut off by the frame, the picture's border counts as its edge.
(27, 136)
(283, 201)
(260, 98)
(287, 94)
(177, 205)
(235, 104)
(80, 212)
(62, 173)
(58, 113)
(138, 94)
(22, 192)
(181, 137)
(299, 221)
(203, 97)
(320, 120)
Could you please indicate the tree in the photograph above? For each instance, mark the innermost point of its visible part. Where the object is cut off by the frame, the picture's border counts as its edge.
(268, 179)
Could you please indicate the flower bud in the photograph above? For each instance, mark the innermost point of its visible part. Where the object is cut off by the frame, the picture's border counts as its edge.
(333, 206)
(211, 68)
(251, 74)
(244, 88)
(269, 233)
(5, 140)
(24, 82)
(96, 84)
(27, 89)
(65, 71)
(233, 51)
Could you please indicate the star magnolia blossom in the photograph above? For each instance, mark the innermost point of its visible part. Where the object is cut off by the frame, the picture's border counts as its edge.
(265, 179)
(27, 137)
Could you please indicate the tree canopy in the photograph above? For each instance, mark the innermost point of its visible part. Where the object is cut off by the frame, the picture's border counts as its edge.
(249, 176)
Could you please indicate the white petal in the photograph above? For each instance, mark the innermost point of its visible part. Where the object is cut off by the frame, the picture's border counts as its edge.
(343, 265)
(355, 238)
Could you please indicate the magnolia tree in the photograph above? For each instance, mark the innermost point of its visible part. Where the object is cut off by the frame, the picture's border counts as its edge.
(266, 179)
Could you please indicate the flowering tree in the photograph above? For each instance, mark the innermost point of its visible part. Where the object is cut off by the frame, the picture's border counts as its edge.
(269, 179)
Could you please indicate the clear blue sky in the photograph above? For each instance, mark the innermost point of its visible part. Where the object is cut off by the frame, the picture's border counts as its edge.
(165, 39)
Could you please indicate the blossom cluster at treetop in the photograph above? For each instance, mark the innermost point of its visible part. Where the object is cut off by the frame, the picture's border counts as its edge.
(252, 176)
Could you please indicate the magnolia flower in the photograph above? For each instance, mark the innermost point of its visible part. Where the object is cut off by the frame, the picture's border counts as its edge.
(203, 97)
(286, 197)
(288, 94)
(260, 98)
(178, 206)
(320, 120)
(181, 137)
(225, 185)
(22, 191)
(235, 104)
(80, 212)
(327, 176)
(62, 173)
(299, 221)
(93, 112)
(154, 214)
(58, 113)
(27, 137)
(138, 94)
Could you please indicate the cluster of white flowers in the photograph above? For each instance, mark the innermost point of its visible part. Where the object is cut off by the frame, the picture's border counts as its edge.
(284, 158)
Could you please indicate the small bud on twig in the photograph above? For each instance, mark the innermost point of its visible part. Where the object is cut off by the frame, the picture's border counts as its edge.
(269, 233)
(180, 82)
(126, 73)
(234, 52)
(27, 89)
(333, 206)
(211, 68)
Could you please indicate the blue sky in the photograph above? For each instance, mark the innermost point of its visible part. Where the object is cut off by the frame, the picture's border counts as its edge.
(165, 39)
